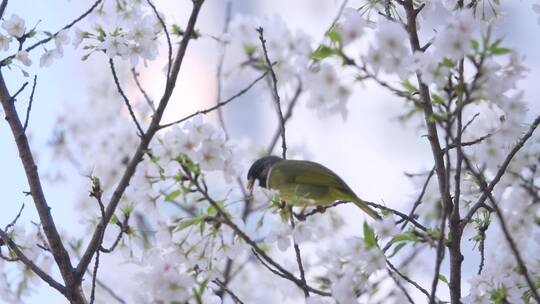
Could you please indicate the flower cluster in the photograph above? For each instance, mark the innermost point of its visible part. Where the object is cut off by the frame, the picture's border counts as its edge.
(16, 30)
(292, 53)
(349, 266)
(202, 143)
(125, 29)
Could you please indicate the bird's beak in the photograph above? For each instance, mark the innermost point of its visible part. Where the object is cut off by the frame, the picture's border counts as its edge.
(250, 185)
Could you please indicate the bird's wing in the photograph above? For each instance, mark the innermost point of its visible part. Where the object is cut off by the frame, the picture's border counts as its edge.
(307, 173)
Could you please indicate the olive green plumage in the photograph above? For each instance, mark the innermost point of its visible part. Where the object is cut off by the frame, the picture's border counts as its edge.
(304, 182)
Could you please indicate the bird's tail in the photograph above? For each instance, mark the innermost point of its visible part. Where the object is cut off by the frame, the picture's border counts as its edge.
(367, 209)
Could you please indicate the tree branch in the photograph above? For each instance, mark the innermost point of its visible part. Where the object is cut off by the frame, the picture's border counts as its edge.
(30, 264)
(502, 169)
(58, 250)
(146, 138)
(29, 108)
(217, 106)
(126, 100)
(274, 91)
(169, 44)
(143, 92)
(49, 38)
(511, 243)
(3, 7)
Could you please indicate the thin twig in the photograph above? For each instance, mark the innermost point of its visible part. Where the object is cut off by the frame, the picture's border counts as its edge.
(288, 115)
(221, 104)
(149, 101)
(400, 286)
(420, 197)
(94, 276)
(30, 264)
(223, 287)
(481, 247)
(19, 91)
(502, 169)
(124, 97)
(49, 38)
(221, 60)
(275, 93)
(29, 108)
(511, 243)
(398, 213)
(169, 43)
(298, 256)
(8, 226)
(406, 278)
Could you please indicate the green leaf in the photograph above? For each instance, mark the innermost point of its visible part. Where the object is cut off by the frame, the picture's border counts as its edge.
(211, 211)
(173, 195)
(437, 99)
(403, 237)
(475, 45)
(409, 87)
(187, 223)
(322, 52)
(334, 36)
(113, 219)
(249, 49)
(369, 236)
(442, 278)
(176, 30)
(446, 62)
(128, 209)
(397, 249)
(500, 51)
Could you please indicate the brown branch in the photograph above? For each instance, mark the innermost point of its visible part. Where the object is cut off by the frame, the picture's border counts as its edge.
(94, 277)
(30, 264)
(502, 169)
(124, 97)
(482, 231)
(146, 138)
(223, 287)
(29, 108)
(400, 286)
(279, 270)
(143, 91)
(3, 8)
(299, 256)
(219, 69)
(511, 243)
(420, 197)
(58, 250)
(124, 229)
(439, 256)
(8, 226)
(398, 213)
(169, 43)
(275, 93)
(14, 97)
(288, 115)
(406, 278)
(217, 106)
(433, 137)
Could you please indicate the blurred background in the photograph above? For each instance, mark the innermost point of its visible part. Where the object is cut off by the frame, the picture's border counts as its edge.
(371, 150)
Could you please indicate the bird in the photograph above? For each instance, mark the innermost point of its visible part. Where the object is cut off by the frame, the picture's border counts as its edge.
(305, 181)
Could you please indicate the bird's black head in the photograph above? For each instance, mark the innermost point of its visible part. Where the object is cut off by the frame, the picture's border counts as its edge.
(259, 170)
